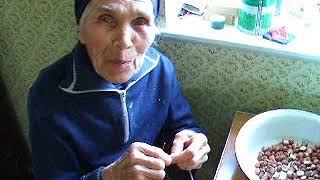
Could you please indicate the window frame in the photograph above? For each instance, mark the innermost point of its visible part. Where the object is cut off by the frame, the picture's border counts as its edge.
(170, 28)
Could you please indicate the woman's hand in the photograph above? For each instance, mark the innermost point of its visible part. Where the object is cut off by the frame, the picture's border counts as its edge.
(142, 161)
(189, 150)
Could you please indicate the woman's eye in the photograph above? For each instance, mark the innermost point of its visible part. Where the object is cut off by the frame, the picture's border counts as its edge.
(140, 21)
(106, 18)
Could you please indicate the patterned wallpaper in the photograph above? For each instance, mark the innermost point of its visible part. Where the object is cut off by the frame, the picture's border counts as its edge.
(217, 80)
(33, 34)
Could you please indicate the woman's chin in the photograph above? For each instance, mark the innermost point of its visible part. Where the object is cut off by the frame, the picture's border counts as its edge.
(119, 78)
(115, 74)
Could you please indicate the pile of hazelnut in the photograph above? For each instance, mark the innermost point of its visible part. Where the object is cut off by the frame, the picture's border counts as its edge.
(289, 160)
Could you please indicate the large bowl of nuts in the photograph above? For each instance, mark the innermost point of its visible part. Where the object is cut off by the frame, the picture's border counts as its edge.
(280, 144)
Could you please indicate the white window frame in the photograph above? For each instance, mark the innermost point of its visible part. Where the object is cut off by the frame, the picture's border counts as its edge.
(170, 26)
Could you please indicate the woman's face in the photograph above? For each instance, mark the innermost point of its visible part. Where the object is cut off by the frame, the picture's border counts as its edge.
(117, 34)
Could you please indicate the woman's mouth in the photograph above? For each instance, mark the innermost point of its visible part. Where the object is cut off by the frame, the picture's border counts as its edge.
(121, 63)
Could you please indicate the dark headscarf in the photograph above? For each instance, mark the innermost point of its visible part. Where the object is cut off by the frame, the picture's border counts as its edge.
(80, 5)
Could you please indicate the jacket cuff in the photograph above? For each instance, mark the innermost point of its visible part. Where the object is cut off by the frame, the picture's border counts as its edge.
(196, 129)
(94, 175)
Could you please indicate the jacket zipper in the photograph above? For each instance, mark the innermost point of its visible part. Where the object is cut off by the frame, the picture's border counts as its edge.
(125, 117)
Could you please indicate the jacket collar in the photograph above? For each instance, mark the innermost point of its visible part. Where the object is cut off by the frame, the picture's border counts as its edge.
(82, 78)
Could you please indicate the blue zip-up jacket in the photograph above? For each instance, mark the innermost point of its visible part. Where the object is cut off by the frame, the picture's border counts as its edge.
(80, 123)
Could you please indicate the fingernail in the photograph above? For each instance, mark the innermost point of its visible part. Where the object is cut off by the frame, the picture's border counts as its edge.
(168, 161)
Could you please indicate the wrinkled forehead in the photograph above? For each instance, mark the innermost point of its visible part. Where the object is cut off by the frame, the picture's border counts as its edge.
(118, 6)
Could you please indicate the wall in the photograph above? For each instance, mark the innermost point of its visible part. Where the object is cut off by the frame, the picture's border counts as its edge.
(33, 34)
(218, 81)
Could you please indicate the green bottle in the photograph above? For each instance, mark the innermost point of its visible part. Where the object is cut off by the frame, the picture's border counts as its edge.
(255, 16)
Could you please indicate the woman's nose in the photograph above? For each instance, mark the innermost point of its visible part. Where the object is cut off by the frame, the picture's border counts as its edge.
(124, 38)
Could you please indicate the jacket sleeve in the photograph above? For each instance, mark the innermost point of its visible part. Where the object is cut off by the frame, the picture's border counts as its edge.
(180, 115)
(53, 158)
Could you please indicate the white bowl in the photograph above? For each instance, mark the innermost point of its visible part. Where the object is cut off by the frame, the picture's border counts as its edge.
(271, 127)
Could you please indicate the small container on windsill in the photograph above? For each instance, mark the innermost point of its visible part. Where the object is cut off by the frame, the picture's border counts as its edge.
(217, 21)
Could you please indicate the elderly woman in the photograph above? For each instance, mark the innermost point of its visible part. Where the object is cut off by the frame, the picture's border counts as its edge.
(100, 111)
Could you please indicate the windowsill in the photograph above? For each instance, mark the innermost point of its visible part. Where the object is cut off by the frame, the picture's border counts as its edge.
(305, 46)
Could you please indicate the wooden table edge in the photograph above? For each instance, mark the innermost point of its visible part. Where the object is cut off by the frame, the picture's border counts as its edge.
(242, 118)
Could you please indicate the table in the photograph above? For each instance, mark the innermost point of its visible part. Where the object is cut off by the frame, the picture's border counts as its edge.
(228, 168)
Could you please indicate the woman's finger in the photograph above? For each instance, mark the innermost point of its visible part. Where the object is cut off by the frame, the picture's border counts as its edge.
(146, 173)
(149, 156)
(196, 142)
(178, 144)
(200, 157)
(150, 162)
